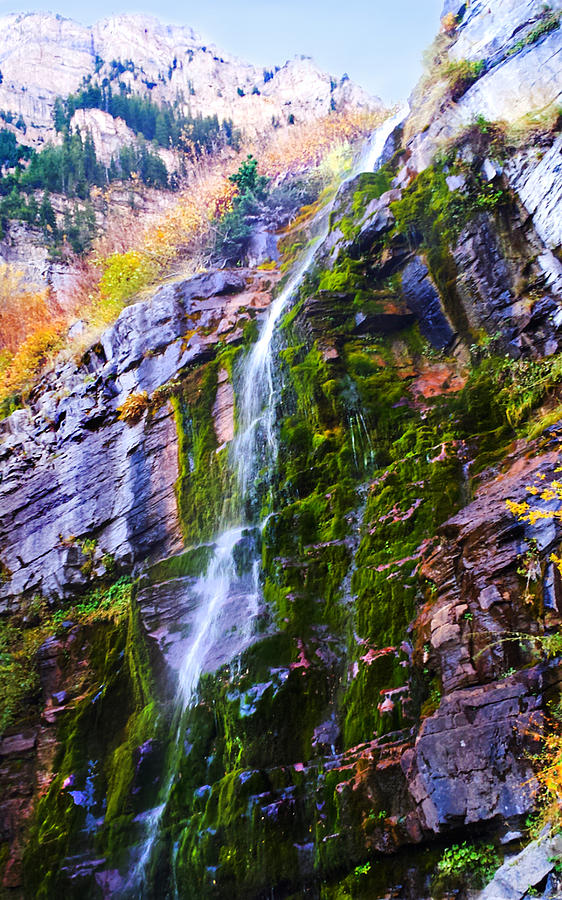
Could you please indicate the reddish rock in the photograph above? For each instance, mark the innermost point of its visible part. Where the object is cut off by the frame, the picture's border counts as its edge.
(223, 409)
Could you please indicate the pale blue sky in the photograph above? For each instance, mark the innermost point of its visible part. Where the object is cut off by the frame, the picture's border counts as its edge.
(378, 43)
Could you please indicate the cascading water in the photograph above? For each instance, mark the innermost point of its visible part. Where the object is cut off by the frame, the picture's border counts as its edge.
(227, 601)
(370, 159)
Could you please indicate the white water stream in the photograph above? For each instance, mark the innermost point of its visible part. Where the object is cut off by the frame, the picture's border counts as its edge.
(227, 602)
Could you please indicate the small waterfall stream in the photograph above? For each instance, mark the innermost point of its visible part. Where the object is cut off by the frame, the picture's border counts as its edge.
(222, 592)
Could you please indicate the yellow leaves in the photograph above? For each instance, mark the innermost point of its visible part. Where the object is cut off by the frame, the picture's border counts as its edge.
(29, 358)
(134, 407)
(449, 23)
(549, 773)
(533, 514)
(518, 509)
(125, 274)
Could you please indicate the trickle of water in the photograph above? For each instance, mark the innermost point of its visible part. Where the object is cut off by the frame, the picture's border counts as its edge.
(213, 590)
(257, 387)
(228, 601)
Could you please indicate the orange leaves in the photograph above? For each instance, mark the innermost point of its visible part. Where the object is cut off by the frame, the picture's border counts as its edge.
(30, 327)
(134, 407)
(449, 23)
(23, 309)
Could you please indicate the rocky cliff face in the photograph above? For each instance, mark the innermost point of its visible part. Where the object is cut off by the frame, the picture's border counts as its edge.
(391, 697)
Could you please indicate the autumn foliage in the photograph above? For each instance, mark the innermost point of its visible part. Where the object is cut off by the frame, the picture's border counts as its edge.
(136, 251)
(31, 324)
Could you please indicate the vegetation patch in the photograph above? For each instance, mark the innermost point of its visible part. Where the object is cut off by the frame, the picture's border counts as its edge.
(465, 865)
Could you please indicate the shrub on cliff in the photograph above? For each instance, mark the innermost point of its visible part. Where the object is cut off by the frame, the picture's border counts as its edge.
(462, 74)
(124, 275)
(465, 865)
(234, 229)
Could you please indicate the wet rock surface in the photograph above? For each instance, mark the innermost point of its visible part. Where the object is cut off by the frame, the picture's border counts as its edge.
(423, 299)
(526, 871)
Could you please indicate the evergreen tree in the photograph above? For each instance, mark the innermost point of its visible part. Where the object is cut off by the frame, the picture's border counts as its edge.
(47, 217)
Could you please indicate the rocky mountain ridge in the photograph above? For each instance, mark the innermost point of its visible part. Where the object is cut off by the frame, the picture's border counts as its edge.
(43, 56)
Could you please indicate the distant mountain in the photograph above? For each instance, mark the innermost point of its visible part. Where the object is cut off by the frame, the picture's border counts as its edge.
(45, 56)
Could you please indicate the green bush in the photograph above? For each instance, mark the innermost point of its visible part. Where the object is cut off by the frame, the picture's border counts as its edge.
(462, 74)
(466, 865)
(234, 229)
(124, 275)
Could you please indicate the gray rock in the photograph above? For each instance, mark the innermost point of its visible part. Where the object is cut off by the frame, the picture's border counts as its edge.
(151, 326)
(76, 329)
(468, 763)
(527, 869)
(116, 486)
(490, 275)
(456, 182)
(537, 179)
(490, 169)
(262, 247)
(523, 83)
(423, 299)
(488, 30)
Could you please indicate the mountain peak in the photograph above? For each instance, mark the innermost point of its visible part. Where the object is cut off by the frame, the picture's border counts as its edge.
(44, 56)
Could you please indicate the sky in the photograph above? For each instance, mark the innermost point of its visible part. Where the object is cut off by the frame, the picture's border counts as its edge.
(378, 43)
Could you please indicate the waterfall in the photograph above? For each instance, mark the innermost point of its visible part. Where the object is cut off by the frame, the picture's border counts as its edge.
(370, 159)
(227, 602)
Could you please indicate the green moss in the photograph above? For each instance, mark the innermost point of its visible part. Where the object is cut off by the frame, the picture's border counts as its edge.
(213, 861)
(192, 562)
(370, 186)
(347, 276)
(431, 216)
(60, 815)
(205, 481)
(98, 743)
(9, 404)
(429, 211)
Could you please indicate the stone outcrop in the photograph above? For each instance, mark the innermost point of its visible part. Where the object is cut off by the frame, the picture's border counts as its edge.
(519, 77)
(535, 176)
(423, 299)
(109, 134)
(526, 871)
